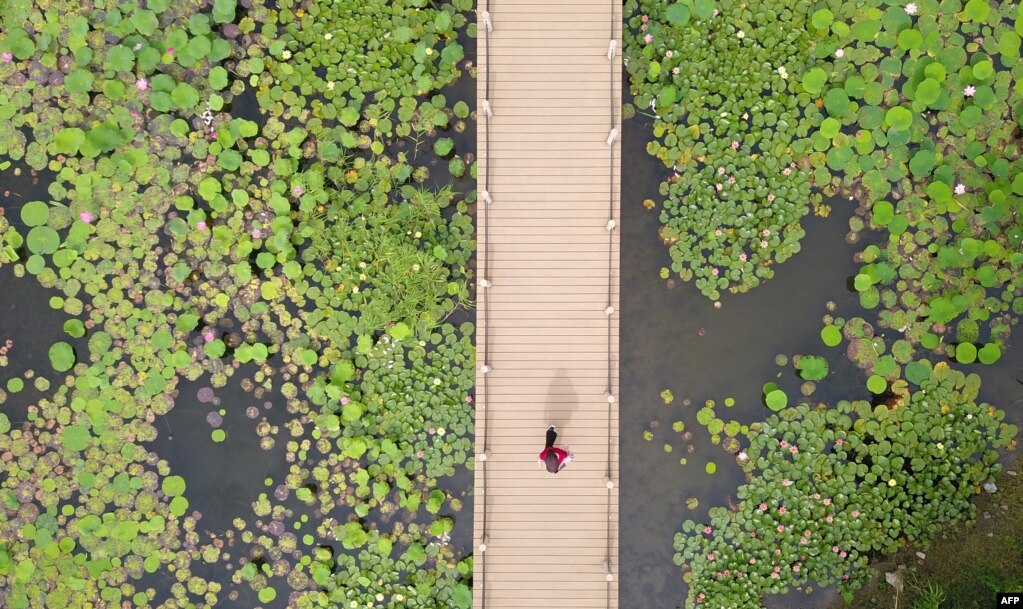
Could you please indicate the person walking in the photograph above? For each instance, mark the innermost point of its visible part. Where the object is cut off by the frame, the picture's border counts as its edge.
(553, 457)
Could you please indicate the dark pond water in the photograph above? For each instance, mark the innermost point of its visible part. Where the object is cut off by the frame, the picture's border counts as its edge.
(675, 339)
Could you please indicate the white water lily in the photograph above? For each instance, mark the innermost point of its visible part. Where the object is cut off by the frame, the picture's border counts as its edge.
(911, 8)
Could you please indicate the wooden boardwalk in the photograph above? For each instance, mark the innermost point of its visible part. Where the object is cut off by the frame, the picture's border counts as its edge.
(547, 348)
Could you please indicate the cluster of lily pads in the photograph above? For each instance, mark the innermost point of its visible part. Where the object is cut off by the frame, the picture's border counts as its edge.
(192, 238)
(830, 487)
(923, 104)
(732, 122)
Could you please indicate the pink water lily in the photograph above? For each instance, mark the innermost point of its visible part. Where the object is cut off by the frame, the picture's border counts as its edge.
(676, 71)
(7, 57)
(200, 225)
(763, 507)
(721, 171)
(707, 530)
(763, 245)
(787, 171)
(297, 191)
(969, 91)
(770, 197)
(86, 217)
(256, 233)
(142, 84)
(782, 510)
(735, 145)
(648, 38)
(855, 513)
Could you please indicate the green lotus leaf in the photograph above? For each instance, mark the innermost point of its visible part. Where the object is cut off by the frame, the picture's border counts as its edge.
(172, 486)
(35, 213)
(928, 91)
(209, 188)
(966, 353)
(822, 19)
(988, 354)
(79, 81)
(983, 70)
(862, 282)
(75, 437)
(882, 213)
(120, 59)
(910, 40)
(443, 147)
(977, 10)
(877, 384)
(68, 140)
(899, 118)
(62, 356)
(224, 12)
(75, 328)
(145, 21)
(812, 367)
(777, 400)
(678, 14)
(813, 81)
(184, 96)
(831, 335)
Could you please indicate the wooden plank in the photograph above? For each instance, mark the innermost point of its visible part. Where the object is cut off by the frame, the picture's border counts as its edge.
(551, 175)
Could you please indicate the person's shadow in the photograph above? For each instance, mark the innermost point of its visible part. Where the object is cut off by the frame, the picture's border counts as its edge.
(561, 403)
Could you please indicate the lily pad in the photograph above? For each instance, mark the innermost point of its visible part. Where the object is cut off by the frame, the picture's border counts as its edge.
(62, 356)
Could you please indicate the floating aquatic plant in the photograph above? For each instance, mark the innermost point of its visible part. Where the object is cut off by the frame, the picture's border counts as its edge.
(827, 487)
